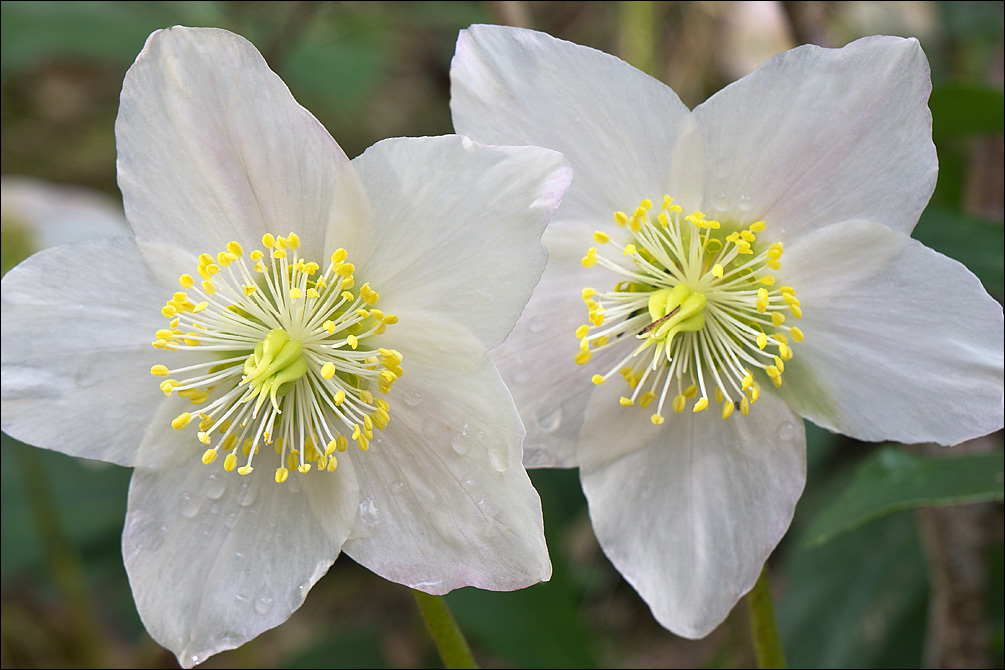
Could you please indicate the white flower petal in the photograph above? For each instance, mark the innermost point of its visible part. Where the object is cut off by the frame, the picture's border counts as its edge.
(213, 147)
(445, 501)
(78, 321)
(901, 343)
(689, 511)
(54, 214)
(537, 360)
(457, 228)
(815, 136)
(216, 558)
(627, 135)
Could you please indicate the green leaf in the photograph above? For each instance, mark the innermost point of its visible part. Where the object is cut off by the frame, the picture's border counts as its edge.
(973, 242)
(893, 480)
(967, 109)
(858, 602)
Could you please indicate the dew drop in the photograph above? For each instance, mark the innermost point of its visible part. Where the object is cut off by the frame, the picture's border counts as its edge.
(460, 443)
(88, 373)
(397, 486)
(215, 487)
(786, 432)
(412, 398)
(368, 515)
(230, 521)
(249, 496)
(549, 419)
(521, 376)
(189, 507)
(214, 509)
(499, 458)
(745, 203)
(537, 324)
(263, 605)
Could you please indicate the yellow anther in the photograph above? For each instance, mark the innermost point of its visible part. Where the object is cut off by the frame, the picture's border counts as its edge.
(589, 293)
(717, 271)
(200, 307)
(186, 281)
(626, 402)
(621, 219)
(700, 405)
(774, 265)
(209, 287)
(351, 339)
(181, 420)
(755, 393)
(691, 391)
(746, 382)
(785, 352)
(657, 419)
(777, 318)
(268, 240)
(646, 399)
(339, 397)
(295, 293)
(727, 408)
(679, 402)
(767, 280)
(773, 371)
(208, 456)
(718, 395)
(346, 269)
(796, 311)
(758, 226)
(796, 334)
(629, 250)
(744, 406)
(329, 326)
(582, 358)
(304, 469)
(230, 462)
(204, 437)
(328, 370)
(168, 385)
(279, 253)
(762, 341)
(281, 475)
(248, 289)
(159, 371)
(601, 237)
(590, 259)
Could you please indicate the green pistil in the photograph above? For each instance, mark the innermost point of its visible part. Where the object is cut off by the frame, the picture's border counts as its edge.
(276, 363)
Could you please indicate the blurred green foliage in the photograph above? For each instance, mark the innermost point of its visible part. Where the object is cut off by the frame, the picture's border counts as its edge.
(375, 70)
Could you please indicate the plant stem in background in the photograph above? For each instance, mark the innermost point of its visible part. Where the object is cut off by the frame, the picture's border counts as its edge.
(442, 627)
(763, 628)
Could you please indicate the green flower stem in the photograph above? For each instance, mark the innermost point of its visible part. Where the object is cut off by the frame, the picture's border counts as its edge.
(637, 26)
(442, 627)
(763, 628)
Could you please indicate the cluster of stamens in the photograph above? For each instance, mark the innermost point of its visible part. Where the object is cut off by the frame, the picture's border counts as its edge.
(702, 305)
(284, 357)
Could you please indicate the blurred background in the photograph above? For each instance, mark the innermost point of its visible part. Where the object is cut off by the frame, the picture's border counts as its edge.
(895, 557)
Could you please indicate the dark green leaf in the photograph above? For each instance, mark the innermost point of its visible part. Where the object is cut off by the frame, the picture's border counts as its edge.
(973, 242)
(967, 109)
(858, 602)
(893, 480)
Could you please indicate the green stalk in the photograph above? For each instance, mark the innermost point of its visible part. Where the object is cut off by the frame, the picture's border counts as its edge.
(442, 627)
(763, 628)
(637, 27)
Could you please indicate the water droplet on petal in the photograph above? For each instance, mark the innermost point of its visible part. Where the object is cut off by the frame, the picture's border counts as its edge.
(412, 398)
(249, 495)
(537, 324)
(549, 419)
(263, 605)
(215, 487)
(230, 521)
(745, 203)
(189, 507)
(786, 432)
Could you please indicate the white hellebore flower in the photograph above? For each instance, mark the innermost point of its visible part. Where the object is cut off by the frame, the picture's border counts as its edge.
(704, 343)
(309, 286)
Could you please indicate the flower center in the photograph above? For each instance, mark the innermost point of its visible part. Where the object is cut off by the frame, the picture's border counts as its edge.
(700, 299)
(284, 357)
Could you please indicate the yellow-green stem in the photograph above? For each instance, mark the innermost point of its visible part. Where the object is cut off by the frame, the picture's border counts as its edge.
(763, 628)
(442, 627)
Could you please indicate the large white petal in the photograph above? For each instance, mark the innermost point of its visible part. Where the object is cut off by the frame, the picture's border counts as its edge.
(457, 228)
(816, 136)
(78, 321)
(445, 501)
(537, 360)
(213, 147)
(901, 343)
(689, 511)
(627, 135)
(216, 558)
